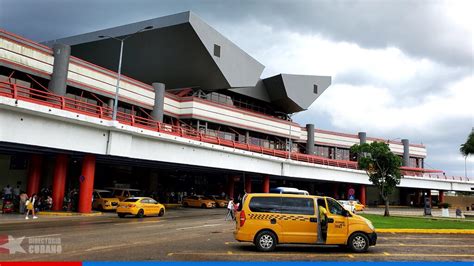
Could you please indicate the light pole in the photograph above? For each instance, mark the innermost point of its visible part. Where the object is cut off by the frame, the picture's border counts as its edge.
(119, 72)
(289, 139)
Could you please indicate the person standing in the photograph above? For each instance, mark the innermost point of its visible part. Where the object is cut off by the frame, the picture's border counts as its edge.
(23, 199)
(16, 191)
(7, 192)
(30, 206)
(230, 210)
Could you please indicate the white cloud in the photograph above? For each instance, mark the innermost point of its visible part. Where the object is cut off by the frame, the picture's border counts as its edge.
(384, 92)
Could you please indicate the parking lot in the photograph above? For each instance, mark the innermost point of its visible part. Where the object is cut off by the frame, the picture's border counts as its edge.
(192, 234)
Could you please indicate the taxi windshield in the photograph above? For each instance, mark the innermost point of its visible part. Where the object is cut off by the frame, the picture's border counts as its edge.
(106, 194)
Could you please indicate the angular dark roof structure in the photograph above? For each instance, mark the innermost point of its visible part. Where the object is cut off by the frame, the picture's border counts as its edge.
(183, 51)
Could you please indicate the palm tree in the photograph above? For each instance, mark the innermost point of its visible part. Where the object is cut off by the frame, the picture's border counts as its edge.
(467, 149)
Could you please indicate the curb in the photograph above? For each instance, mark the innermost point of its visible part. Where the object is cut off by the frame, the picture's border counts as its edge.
(426, 231)
(50, 213)
(172, 206)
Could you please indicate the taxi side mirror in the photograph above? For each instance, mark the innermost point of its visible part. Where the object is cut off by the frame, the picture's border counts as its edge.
(345, 213)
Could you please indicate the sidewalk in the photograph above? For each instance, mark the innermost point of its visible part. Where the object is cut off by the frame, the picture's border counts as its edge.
(408, 211)
(8, 218)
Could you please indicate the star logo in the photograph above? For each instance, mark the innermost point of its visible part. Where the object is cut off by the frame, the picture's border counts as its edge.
(10, 245)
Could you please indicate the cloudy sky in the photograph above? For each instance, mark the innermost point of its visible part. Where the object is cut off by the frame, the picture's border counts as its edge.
(400, 68)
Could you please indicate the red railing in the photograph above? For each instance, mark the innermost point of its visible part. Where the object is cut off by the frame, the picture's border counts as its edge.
(440, 176)
(49, 99)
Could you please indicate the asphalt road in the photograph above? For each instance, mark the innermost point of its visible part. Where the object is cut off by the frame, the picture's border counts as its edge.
(203, 235)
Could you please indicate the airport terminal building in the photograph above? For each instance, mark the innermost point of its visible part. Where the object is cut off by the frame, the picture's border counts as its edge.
(194, 116)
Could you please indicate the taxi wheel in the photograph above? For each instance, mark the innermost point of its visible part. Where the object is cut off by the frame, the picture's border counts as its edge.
(100, 208)
(140, 213)
(121, 215)
(265, 241)
(161, 213)
(203, 206)
(358, 242)
(185, 204)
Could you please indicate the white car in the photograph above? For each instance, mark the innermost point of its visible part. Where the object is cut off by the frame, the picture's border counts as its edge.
(348, 205)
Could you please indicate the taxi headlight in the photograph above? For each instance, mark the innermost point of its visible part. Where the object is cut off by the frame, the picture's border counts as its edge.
(371, 226)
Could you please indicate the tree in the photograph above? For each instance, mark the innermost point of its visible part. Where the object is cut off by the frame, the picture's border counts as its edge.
(381, 165)
(467, 149)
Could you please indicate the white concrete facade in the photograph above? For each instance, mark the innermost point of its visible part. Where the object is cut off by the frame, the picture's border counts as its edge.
(33, 124)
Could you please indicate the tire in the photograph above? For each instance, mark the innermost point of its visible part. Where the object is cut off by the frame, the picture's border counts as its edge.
(140, 213)
(265, 241)
(203, 206)
(121, 215)
(100, 208)
(185, 204)
(358, 242)
(161, 213)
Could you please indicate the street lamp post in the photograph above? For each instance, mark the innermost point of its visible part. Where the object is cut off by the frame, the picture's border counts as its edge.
(119, 71)
(289, 139)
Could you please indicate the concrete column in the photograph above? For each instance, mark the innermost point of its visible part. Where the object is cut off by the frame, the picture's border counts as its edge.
(406, 152)
(230, 187)
(266, 184)
(57, 84)
(310, 141)
(429, 195)
(248, 184)
(158, 108)
(86, 186)
(362, 137)
(441, 196)
(362, 194)
(34, 174)
(59, 181)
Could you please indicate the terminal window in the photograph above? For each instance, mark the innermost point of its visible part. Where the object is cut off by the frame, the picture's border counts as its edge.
(217, 50)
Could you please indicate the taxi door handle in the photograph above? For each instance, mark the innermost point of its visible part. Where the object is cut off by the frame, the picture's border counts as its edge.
(273, 221)
(330, 220)
(313, 220)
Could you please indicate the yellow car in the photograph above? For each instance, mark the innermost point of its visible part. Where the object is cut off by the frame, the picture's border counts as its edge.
(270, 219)
(104, 201)
(198, 201)
(357, 205)
(124, 193)
(140, 206)
(220, 201)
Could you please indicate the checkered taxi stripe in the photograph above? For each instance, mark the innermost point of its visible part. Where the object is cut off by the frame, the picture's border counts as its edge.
(278, 217)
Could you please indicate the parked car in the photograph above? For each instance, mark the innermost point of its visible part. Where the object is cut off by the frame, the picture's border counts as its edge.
(289, 190)
(348, 205)
(199, 201)
(140, 206)
(104, 200)
(220, 201)
(124, 193)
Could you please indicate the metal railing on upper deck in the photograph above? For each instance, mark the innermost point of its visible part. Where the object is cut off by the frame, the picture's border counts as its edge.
(16, 91)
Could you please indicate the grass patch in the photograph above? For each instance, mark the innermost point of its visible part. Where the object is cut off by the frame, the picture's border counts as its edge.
(398, 222)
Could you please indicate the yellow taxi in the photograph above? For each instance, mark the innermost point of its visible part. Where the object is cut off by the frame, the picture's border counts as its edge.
(267, 219)
(220, 201)
(140, 206)
(124, 193)
(357, 205)
(199, 201)
(104, 200)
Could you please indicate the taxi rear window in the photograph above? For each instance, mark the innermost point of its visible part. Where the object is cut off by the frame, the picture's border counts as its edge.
(131, 200)
(265, 204)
